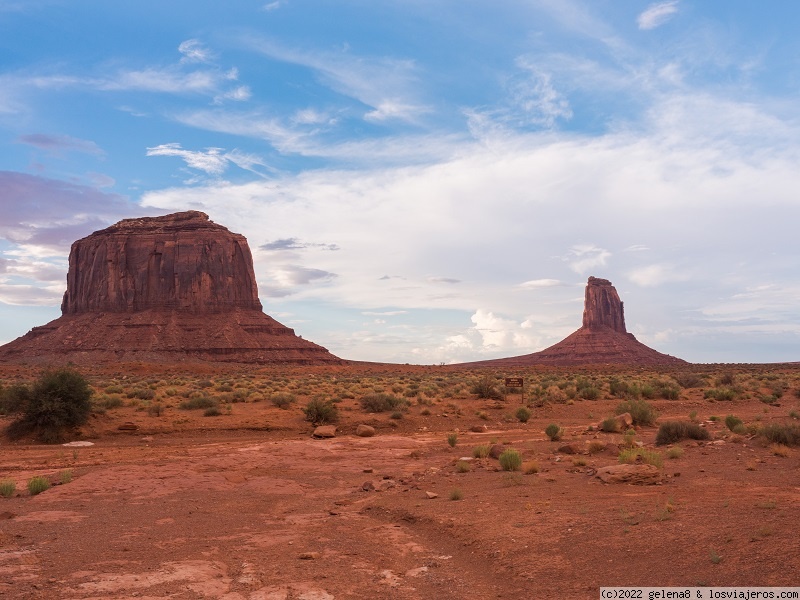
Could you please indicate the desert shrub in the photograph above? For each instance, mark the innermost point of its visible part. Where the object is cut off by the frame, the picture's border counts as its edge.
(674, 431)
(37, 485)
(731, 422)
(553, 431)
(726, 379)
(456, 494)
(59, 400)
(376, 403)
(776, 433)
(66, 476)
(589, 393)
(319, 411)
(481, 451)
(452, 439)
(462, 466)
(396, 415)
(724, 394)
(198, 402)
(555, 395)
(141, 394)
(224, 387)
(114, 389)
(530, 467)
(633, 455)
(155, 410)
(689, 380)
(640, 410)
(212, 411)
(510, 460)
(282, 399)
(523, 414)
(107, 402)
(486, 387)
(7, 488)
(609, 425)
(675, 452)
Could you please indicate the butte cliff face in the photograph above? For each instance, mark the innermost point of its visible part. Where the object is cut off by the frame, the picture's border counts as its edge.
(178, 287)
(602, 339)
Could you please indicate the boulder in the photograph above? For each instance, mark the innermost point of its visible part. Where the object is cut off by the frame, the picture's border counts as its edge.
(571, 448)
(365, 431)
(325, 431)
(637, 474)
(496, 450)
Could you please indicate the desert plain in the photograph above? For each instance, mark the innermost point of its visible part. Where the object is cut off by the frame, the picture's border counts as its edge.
(236, 499)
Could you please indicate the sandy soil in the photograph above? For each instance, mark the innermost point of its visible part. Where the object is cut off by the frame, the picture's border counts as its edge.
(248, 505)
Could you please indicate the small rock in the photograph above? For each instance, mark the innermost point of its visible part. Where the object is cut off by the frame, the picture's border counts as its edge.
(325, 431)
(78, 444)
(368, 486)
(466, 459)
(365, 431)
(147, 439)
(128, 426)
(367, 471)
(431, 495)
(308, 555)
(496, 450)
(571, 448)
(479, 429)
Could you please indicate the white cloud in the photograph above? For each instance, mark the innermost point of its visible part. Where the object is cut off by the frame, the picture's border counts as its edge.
(658, 274)
(270, 6)
(584, 257)
(657, 14)
(194, 51)
(214, 161)
(540, 283)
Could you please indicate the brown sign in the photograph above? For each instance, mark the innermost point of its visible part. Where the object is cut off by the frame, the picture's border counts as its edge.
(514, 382)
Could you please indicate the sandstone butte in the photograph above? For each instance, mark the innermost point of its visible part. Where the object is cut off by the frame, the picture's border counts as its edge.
(174, 288)
(602, 339)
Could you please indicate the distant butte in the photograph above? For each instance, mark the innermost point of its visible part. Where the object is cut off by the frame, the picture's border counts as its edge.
(175, 288)
(602, 339)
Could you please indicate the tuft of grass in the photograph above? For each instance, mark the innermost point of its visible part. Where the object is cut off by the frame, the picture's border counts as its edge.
(282, 399)
(776, 433)
(456, 494)
(579, 461)
(715, 558)
(780, 450)
(510, 460)
(212, 411)
(609, 425)
(155, 410)
(595, 446)
(634, 455)
(731, 422)
(66, 476)
(553, 431)
(481, 451)
(675, 452)
(463, 466)
(7, 488)
(675, 431)
(452, 439)
(37, 485)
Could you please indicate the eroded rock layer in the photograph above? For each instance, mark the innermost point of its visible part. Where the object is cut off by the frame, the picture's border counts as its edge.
(173, 288)
(602, 339)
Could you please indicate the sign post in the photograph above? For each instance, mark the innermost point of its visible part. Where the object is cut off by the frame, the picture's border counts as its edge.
(517, 382)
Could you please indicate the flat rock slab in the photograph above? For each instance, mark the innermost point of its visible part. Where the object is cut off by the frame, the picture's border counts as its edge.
(325, 431)
(634, 474)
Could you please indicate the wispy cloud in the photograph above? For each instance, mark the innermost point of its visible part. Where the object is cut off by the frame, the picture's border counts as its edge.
(294, 244)
(657, 14)
(213, 161)
(59, 144)
(194, 51)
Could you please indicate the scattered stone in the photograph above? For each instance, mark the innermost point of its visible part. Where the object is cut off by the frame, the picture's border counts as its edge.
(368, 486)
(309, 555)
(367, 471)
(325, 431)
(479, 429)
(128, 426)
(637, 474)
(147, 439)
(466, 459)
(365, 431)
(625, 421)
(431, 495)
(78, 444)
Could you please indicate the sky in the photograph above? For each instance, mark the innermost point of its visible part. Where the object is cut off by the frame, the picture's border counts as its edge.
(424, 181)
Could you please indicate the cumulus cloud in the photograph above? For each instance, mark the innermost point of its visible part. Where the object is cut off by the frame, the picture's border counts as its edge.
(657, 14)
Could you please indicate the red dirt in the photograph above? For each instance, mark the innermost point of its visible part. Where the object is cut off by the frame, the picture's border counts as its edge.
(247, 505)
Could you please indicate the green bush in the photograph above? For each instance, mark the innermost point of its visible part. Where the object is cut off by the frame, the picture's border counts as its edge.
(321, 411)
(198, 402)
(510, 460)
(377, 403)
(523, 414)
(633, 455)
(212, 411)
(775, 433)
(486, 387)
(107, 402)
(723, 394)
(141, 394)
(689, 380)
(674, 431)
(640, 410)
(731, 422)
(452, 439)
(37, 485)
(553, 431)
(7, 488)
(609, 425)
(481, 451)
(283, 399)
(589, 393)
(59, 400)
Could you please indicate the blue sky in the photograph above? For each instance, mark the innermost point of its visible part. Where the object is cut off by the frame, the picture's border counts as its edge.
(424, 181)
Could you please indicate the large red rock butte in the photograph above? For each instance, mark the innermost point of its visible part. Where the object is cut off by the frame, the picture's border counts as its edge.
(178, 287)
(602, 339)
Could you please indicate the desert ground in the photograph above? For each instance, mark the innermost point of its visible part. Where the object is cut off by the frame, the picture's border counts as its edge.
(235, 499)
